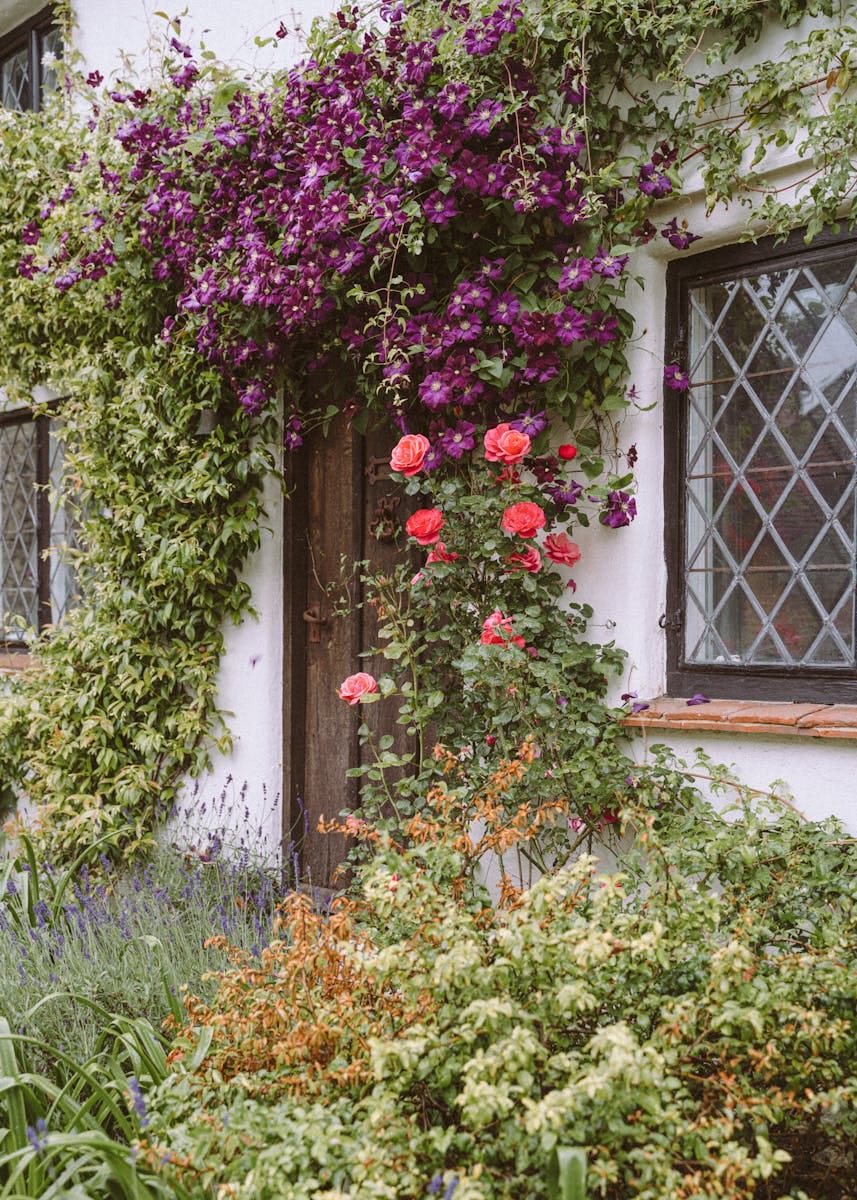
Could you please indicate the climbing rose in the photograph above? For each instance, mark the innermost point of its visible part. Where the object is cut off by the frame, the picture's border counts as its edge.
(497, 631)
(425, 525)
(506, 445)
(524, 519)
(526, 560)
(561, 549)
(355, 687)
(567, 451)
(441, 554)
(409, 454)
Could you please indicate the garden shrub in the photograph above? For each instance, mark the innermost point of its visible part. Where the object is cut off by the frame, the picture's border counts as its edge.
(688, 1020)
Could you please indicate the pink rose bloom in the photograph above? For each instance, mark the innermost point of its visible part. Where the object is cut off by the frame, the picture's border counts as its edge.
(409, 454)
(506, 445)
(355, 687)
(526, 560)
(561, 549)
(425, 525)
(439, 553)
(497, 631)
(524, 519)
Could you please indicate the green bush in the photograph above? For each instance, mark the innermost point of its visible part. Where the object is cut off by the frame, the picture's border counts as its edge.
(688, 1020)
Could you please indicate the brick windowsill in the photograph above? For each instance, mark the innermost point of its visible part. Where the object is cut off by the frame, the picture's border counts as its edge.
(749, 716)
(15, 660)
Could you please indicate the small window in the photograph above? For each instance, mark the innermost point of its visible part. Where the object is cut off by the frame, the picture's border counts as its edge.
(24, 77)
(761, 480)
(36, 584)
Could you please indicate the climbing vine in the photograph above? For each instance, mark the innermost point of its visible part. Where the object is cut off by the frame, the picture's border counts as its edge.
(432, 222)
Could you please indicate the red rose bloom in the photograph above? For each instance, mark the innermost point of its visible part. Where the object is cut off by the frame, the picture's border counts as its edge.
(409, 454)
(425, 525)
(568, 451)
(525, 560)
(355, 687)
(561, 549)
(440, 554)
(497, 631)
(524, 519)
(506, 445)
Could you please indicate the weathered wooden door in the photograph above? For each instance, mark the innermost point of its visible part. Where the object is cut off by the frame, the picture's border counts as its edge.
(344, 508)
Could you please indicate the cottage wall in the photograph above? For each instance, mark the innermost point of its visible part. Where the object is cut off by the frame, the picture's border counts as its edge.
(622, 573)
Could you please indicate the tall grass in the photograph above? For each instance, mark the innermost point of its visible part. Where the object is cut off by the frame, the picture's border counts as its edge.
(83, 945)
(91, 965)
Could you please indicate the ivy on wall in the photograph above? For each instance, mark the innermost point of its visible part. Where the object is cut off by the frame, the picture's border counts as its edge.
(438, 211)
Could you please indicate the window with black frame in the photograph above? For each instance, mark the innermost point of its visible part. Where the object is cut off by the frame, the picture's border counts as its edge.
(37, 584)
(761, 472)
(26, 55)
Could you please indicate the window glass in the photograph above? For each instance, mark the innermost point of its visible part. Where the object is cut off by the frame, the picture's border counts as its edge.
(764, 574)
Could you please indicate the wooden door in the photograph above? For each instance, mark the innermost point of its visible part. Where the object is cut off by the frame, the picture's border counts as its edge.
(344, 508)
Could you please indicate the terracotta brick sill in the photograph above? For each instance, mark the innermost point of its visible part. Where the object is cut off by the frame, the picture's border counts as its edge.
(749, 716)
(15, 660)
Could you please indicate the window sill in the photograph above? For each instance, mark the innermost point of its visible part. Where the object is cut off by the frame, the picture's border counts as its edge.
(15, 660)
(749, 716)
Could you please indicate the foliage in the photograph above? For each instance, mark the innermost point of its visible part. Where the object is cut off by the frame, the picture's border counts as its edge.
(80, 949)
(485, 652)
(431, 218)
(75, 1140)
(688, 1020)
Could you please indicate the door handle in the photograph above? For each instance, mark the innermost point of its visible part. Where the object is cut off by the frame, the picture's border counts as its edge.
(314, 620)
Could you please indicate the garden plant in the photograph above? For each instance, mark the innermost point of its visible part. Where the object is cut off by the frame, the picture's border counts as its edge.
(429, 223)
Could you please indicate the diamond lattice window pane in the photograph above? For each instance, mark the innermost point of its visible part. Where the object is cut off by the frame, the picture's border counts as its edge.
(771, 484)
(19, 554)
(15, 80)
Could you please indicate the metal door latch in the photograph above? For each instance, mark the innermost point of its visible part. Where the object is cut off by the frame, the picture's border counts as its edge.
(312, 616)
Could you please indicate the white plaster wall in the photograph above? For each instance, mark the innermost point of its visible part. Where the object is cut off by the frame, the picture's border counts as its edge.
(623, 572)
(110, 30)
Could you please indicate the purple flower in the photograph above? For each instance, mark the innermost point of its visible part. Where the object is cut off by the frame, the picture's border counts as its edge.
(253, 398)
(603, 328)
(504, 309)
(698, 699)
(675, 378)
(653, 182)
(435, 391)
(530, 423)
(184, 79)
(450, 100)
(481, 39)
(608, 265)
(565, 495)
(94, 79)
(37, 1135)
(575, 275)
(620, 509)
(571, 326)
(679, 237)
(483, 117)
(455, 442)
(139, 1102)
(292, 438)
(440, 209)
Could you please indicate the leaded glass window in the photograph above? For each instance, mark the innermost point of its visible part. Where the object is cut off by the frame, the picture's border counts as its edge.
(37, 584)
(25, 75)
(764, 564)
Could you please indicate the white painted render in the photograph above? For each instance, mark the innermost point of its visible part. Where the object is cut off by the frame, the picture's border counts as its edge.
(622, 573)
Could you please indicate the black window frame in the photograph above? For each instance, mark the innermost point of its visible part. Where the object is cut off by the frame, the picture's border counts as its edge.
(727, 681)
(29, 35)
(45, 609)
